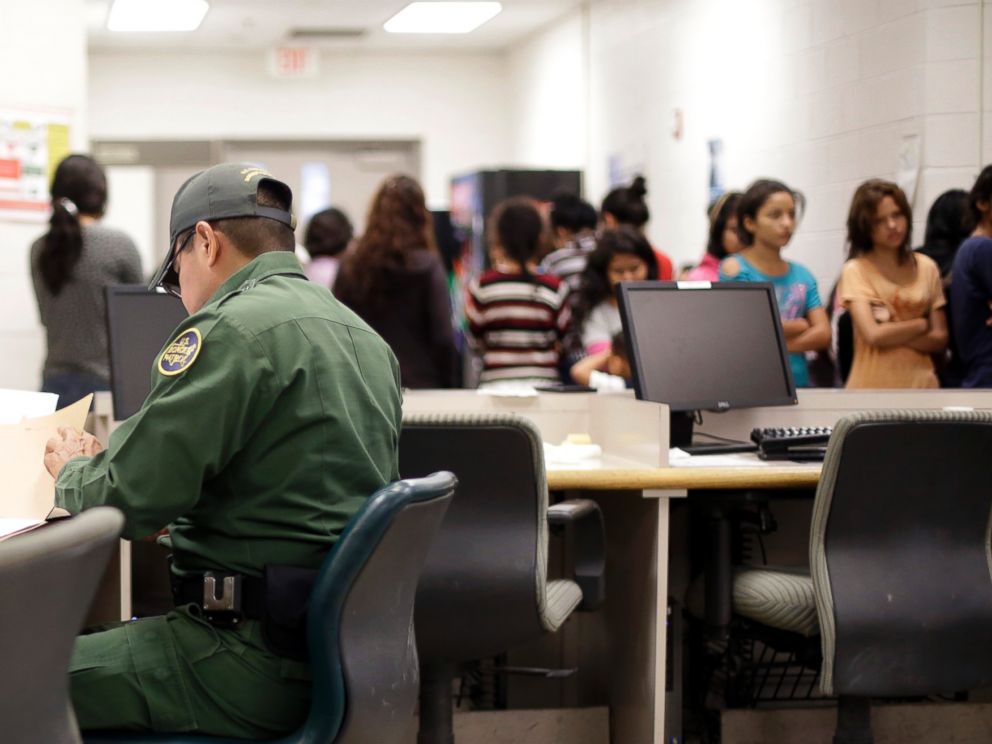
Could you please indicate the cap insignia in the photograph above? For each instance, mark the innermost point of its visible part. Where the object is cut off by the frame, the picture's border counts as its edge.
(250, 173)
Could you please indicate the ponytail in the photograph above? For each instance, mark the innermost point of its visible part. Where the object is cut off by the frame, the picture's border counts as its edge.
(78, 187)
(62, 247)
(519, 227)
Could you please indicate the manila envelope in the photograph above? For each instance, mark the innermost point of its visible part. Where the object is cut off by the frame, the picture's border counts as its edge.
(28, 489)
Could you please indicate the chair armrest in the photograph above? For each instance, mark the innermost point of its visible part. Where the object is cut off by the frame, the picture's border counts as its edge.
(582, 522)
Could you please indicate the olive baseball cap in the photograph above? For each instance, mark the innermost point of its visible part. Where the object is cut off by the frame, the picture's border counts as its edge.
(221, 192)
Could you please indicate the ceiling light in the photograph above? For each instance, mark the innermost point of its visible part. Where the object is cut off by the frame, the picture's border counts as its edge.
(156, 15)
(442, 17)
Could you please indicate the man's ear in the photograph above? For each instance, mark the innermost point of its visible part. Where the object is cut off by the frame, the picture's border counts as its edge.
(213, 246)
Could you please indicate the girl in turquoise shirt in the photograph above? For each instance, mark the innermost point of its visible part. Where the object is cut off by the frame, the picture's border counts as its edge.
(766, 220)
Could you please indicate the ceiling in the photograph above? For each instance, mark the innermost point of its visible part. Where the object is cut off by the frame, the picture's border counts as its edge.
(260, 24)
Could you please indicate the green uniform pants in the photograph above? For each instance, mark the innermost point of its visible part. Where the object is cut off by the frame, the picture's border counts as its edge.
(178, 673)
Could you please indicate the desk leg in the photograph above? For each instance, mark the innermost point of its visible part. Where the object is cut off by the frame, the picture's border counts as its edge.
(661, 611)
(112, 600)
(125, 576)
(634, 613)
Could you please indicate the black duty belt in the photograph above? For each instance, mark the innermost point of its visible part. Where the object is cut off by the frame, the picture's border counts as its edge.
(279, 600)
(224, 599)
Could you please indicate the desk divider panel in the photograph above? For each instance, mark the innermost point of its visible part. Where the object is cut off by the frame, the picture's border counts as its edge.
(635, 430)
(632, 433)
(825, 406)
(556, 415)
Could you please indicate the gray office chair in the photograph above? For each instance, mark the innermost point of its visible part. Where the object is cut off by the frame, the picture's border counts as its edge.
(360, 633)
(484, 588)
(47, 581)
(900, 589)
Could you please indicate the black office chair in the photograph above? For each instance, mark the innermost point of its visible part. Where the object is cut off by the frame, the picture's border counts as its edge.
(484, 587)
(47, 581)
(359, 624)
(900, 563)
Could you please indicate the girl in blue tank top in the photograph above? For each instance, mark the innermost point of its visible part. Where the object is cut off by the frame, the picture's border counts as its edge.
(766, 220)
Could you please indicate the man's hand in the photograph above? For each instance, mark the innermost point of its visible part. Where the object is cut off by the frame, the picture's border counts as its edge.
(67, 445)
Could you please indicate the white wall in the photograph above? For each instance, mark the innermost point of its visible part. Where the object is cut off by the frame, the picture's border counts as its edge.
(455, 104)
(43, 56)
(548, 97)
(130, 209)
(820, 93)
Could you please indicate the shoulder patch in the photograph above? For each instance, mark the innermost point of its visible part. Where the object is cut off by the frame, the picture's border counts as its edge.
(181, 353)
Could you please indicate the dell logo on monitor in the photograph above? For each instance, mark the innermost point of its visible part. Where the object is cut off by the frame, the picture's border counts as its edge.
(723, 405)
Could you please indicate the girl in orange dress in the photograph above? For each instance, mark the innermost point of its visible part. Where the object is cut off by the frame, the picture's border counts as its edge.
(894, 296)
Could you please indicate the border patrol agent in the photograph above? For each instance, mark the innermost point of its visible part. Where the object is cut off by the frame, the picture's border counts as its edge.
(274, 413)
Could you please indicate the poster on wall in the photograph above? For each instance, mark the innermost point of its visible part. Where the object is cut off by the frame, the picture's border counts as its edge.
(908, 172)
(32, 143)
(717, 183)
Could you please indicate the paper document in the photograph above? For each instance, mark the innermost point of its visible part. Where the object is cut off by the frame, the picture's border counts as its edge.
(28, 490)
(678, 458)
(11, 527)
(508, 390)
(567, 453)
(19, 404)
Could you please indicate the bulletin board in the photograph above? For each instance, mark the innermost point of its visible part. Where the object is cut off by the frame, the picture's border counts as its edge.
(32, 143)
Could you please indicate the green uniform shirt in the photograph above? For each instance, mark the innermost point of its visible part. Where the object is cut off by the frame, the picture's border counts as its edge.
(273, 415)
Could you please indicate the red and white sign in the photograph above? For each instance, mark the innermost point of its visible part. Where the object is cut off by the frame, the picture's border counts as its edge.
(32, 144)
(293, 62)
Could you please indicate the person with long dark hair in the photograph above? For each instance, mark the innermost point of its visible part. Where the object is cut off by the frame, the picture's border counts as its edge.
(71, 264)
(894, 295)
(949, 223)
(396, 282)
(517, 315)
(622, 254)
(722, 239)
(767, 215)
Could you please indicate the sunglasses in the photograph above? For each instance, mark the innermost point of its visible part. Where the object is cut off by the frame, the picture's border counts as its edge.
(167, 278)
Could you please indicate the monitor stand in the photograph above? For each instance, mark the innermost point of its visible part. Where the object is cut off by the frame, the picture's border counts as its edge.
(680, 425)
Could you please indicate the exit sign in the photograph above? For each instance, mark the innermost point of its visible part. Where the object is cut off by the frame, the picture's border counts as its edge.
(293, 62)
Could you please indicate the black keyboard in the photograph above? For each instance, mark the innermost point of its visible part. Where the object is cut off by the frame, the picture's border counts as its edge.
(793, 443)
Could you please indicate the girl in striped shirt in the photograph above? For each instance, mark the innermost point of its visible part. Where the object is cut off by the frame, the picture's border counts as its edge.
(517, 316)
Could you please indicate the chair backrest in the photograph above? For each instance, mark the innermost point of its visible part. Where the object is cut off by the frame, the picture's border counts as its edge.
(47, 581)
(483, 585)
(360, 620)
(900, 554)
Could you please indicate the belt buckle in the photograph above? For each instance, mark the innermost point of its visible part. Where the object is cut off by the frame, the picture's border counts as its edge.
(224, 609)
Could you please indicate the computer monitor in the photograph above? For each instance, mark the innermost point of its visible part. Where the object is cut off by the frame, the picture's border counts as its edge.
(697, 346)
(139, 324)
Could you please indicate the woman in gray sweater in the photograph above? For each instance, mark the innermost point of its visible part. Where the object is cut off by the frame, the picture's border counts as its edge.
(70, 266)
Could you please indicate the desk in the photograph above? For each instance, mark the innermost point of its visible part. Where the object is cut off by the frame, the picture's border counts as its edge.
(634, 486)
(683, 479)
(636, 505)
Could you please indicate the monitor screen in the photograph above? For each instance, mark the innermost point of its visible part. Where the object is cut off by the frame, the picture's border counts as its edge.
(696, 346)
(139, 324)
